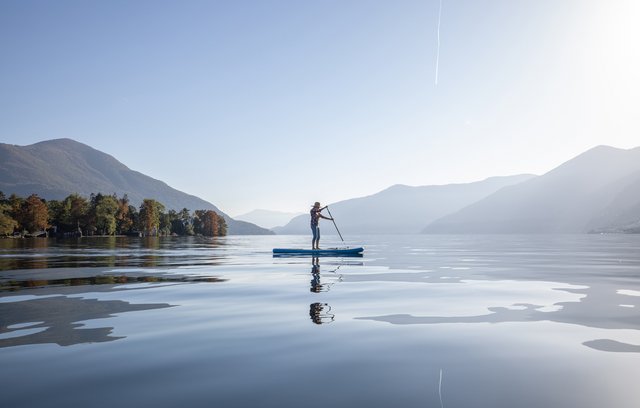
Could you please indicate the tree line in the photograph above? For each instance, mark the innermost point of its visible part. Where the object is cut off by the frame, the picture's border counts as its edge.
(102, 215)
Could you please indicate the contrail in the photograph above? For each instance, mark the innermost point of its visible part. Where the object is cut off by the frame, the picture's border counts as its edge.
(438, 53)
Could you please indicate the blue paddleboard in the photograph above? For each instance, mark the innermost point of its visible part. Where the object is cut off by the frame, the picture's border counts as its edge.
(320, 252)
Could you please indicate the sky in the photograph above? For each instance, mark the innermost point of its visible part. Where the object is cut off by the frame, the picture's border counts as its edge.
(276, 104)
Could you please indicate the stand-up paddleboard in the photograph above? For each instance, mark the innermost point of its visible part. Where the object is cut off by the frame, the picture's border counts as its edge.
(319, 252)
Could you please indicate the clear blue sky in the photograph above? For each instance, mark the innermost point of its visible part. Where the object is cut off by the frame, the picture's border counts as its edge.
(276, 104)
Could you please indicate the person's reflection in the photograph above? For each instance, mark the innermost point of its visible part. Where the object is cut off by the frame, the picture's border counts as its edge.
(316, 285)
(320, 313)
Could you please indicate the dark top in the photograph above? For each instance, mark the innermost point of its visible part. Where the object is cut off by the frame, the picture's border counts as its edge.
(315, 216)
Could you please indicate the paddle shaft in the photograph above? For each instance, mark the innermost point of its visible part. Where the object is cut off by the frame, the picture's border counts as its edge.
(334, 223)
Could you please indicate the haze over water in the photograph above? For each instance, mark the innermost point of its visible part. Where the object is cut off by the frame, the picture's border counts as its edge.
(419, 321)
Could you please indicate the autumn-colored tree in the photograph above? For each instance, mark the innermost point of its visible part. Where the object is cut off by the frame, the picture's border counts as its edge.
(34, 214)
(149, 218)
(209, 223)
(104, 214)
(124, 219)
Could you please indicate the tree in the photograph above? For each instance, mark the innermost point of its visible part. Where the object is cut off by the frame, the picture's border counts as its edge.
(15, 206)
(181, 222)
(134, 216)
(56, 213)
(7, 223)
(34, 215)
(69, 214)
(124, 219)
(106, 208)
(165, 222)
(150, 211)
(78, 209)
(209, 223)
(104, 214)
(222, 227)
(187, 221)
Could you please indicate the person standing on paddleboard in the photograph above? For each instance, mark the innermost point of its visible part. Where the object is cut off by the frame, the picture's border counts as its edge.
(316, 214)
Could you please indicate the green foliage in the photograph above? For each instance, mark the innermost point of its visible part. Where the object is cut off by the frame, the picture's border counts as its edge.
(7, 223)
(103, 215)
(106, 208)
(222, 227)
(70, 214)
(179, 223)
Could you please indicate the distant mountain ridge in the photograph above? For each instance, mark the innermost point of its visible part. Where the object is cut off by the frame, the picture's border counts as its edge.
(54, 169)
(597, 191)
(267, 218)
(402, 209)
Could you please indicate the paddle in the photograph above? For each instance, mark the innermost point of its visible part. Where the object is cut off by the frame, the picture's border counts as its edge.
(334, 223)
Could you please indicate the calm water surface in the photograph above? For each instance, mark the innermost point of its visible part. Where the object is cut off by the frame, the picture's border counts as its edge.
(419, 321)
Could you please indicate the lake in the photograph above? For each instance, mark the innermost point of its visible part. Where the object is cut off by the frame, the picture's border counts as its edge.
(418, 321)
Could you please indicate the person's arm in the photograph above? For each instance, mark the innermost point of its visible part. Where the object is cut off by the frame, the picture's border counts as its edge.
(326, 218)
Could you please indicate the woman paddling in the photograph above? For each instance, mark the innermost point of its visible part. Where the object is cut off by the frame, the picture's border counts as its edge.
(316, 214)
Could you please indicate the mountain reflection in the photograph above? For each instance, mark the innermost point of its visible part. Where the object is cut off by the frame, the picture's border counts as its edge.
(58, 320)
(56, 316)
(599, 307)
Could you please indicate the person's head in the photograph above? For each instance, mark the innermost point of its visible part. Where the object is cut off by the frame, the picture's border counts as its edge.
(316, 205)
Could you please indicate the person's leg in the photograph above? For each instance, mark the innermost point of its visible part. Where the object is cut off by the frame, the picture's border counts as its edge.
(314, 231)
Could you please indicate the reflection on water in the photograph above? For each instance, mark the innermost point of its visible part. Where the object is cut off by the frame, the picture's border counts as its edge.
(52, 310)
(15, 285)
(418, 321)
(321, 312)
(40, 253)
(57, 320)
(612, 346)
(600, 305)
(591, 271)
(317, 285)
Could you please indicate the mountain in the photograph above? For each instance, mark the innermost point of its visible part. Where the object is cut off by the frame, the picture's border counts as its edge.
(54, 169)
(598, 190)
(267, 218)
(402, 209)
(623, 212)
